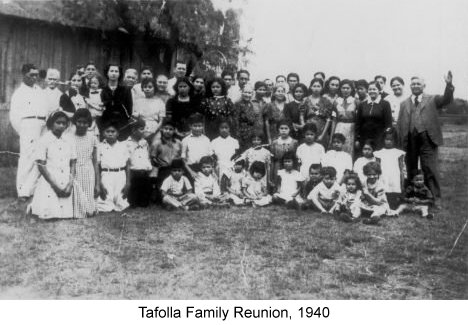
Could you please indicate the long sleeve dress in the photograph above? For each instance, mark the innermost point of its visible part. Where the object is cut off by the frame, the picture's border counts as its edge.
(372, 118)
(216, 109)
(345, 117)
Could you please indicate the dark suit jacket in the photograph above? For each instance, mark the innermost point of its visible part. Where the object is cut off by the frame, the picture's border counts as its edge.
(428, 106)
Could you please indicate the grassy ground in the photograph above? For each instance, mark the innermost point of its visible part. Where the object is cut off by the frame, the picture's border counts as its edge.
(241, 253)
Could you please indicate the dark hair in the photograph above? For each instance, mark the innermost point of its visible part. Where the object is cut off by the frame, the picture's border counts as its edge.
(146, 67)
(224, 122)
(82, 113)
(99, 79)
(180, 61)
(309, 127)
(315, 166)
(362, 83)
(228, 73)
(177, 163)
(108, 66)
(259, 84)
(258, 134)
(146, 81)
(376, 84)
(372, 166)
(54, 117)
(293, 74)
(380, 77)
(138, 123)
(353, 175)
(391, 131)
(326, 88)
(83, 90)
(196, 118)
(242, 71)
(339, 136)
(302, 86)
(258, 167)
(283, 122)
(320, 81)
(348, 82)
(418, 172)
(240, 162)
(90, 63)
(206, 160)
(42, 74)
(289, 155)
(183, 80)
(275, 88)
(111, 123)
(399, 79)
(320, 73)
(27, 67)
(369, 142)
(328, 171)
(222, 83)
(280, 76)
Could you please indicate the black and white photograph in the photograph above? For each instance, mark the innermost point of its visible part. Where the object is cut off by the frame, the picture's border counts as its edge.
(233, 150)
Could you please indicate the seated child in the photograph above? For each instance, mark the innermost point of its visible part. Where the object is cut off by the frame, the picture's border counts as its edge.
(253, 188)
(374, 201)
(289, 183)
(310, 183)
(348, 204)
(177, 192)
(114, 163)
(338, 158)
(325, 194)
(257, 152)
(224, 149)
(418, 197)
(231, 182)
(206, 185)
(309, 152)
(195, 146)
(367, 156)
(140, 166)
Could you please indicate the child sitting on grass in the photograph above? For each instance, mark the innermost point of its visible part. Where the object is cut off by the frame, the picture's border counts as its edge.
(289, 183)
(374, 201)
(313, 180)
(337, 158)
(253, 188)
(418, 197)
(177, 192)
(206, 185)
(309, 152)
(348, 205)
(325, 194)
(367, 156)
(231, 182)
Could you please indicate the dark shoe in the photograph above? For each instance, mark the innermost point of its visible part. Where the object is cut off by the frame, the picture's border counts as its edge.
(346, 217)
(430, 216)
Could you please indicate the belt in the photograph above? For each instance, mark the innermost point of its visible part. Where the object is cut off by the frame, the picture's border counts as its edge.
(37, 117)
(112, 169)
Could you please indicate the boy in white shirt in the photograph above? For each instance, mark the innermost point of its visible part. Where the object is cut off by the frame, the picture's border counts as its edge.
(309, 152)
(224, 148)
(326, 193)
(206, 185)
(338, 158)
(289, 183)
(177, 192)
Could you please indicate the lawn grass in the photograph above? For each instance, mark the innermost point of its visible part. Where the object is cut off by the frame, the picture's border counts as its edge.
(240, 253)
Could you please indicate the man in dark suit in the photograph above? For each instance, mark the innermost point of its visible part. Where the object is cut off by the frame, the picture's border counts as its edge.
(420, 133)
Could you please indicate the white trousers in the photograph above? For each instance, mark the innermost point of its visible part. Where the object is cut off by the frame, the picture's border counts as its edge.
(113, 182)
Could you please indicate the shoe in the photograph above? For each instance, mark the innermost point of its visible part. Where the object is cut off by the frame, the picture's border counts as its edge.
(430, 216)
(346, 217)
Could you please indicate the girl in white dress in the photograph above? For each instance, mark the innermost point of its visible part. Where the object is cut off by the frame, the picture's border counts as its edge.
(56, 159)
(367, 156)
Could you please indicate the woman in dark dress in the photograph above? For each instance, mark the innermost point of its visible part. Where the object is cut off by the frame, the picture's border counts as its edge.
(373, 116)
(295, 112)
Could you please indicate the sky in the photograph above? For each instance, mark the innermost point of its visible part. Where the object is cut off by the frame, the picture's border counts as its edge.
(357, 39)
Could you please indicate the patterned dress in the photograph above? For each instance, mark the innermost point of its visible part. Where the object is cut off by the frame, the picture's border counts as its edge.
(217, 109)
(273, 114)
(83, 194)
(249, 120)
(278, 148)
(319, 112)
(345, 111)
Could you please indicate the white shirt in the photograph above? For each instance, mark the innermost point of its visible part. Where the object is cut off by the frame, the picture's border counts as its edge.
(289, 181)
(26, 102)
(152, 111)
(170, 86)
(113, 156)
(52, 96)
(395, 102)
(308, 155)
(358, 167)
(390, 168)
(324, 193)
(194, 148)
(174, 187)
(340, 160)
(206, 184)
(224, 149)
(234, 93)
(139, 154)
(137, 92)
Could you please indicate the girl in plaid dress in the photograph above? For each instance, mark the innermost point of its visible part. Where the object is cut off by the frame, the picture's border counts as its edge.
(87, 172)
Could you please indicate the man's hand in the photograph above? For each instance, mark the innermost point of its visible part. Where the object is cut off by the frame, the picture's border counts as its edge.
(448, 78)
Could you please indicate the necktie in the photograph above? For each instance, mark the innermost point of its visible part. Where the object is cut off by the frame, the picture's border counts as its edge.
(416, 101)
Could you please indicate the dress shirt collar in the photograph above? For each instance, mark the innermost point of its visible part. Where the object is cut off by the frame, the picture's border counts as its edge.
(413, 98)
(376, 101)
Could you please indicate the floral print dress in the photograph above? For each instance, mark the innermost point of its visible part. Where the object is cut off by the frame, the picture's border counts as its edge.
(217, 109)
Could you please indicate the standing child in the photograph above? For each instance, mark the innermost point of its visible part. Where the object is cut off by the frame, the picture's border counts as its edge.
(367, 157)
(114, 163)
(95, 105)
(253, 188)
(87, 169)
(284, 143)
(231, 182)
(177, 192)
(309, 152)
(325, 194)
(258, 152)
(56, 160)
(418, 197)
(349, 202)
(392, 161)
(139, 192)
(195, 146)
(162, 152)
(338, 158)
(289, 183)
(374, 200)
(224, 149)
(206, 185)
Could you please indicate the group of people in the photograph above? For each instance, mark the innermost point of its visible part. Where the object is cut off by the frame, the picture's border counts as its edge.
(338, 146)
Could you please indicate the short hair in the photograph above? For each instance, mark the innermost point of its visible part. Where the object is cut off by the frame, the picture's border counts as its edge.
(259, 84)
(114, 123)
(108, 66)
(348, 82)
(320, 81)
(206, 160)
(275, 88)
(90, 63)
(224, 122)
(53, 71)
(328, 171)
(370, 143)
(340, 137)
(183, 80)
(127, 71)
(177, 163)
(283, 122)
(391, 131)
(240, 162)
(147, 81)
(291, 75)
(180, 61)
(380, 77)
(258, 134)
(146, 67)
(376, 84)
(196, 118)
(99, 79)
(258, 167)
(222, 83)
(242, 71)
(353, 175)
(326, 88)
(168, 123)
(320, 73)
(54, 116)
(280, 76)
(418, 172)
(289, 155)
(372, 166)
(311, 127)
(302, 86)
(399, 79)
(82, 113)
(138, 123)
(362, 83)
(27, 67)
(228, 73)
(315, 167)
